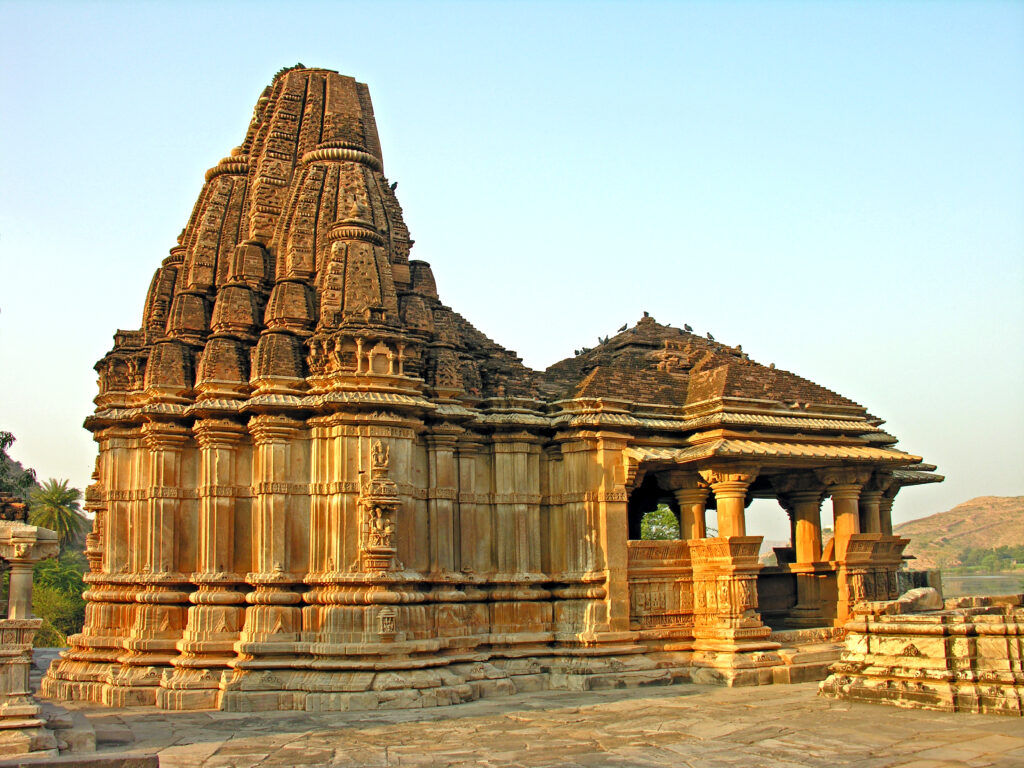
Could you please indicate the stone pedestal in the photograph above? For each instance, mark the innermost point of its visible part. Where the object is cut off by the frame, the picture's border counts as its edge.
(729, 637)
(21, 728)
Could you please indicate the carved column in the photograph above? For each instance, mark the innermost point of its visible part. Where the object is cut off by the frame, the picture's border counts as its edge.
(217, 612)
(161, 613)
(844, 485)
(22, 546)
(691, 494)
(885, 508)
(870, 502)
(730, 484)
(802, 494)
(725, 578)
(852, 557)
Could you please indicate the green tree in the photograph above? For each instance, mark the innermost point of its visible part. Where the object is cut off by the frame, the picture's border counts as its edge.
(14, 478)
(55, 506)
(659, 524)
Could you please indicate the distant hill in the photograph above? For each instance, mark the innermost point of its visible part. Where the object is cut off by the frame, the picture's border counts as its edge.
(985, 522)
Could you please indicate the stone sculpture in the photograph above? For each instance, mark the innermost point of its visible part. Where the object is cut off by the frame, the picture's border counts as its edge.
(319, 487)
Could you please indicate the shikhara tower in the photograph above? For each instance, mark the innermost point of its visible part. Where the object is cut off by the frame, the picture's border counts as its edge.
(318, 487)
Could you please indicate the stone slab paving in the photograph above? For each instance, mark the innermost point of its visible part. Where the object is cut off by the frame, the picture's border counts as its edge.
(686, 725)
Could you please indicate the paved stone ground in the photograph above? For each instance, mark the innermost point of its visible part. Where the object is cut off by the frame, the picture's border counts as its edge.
(781, 726)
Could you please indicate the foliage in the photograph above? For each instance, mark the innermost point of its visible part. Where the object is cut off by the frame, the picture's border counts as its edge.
(659, 524)
(992, 560)
(14, 478)
(55, 506)
(60, 611)
(57, 598)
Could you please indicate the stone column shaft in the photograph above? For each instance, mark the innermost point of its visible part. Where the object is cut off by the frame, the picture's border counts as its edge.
(729, 484)
(870, 511)
(691, 512)
(807, 524)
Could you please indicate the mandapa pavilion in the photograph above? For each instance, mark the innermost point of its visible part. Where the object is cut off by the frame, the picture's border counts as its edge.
(318, 487)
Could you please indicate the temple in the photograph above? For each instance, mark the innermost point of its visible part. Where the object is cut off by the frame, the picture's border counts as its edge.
(318, 487)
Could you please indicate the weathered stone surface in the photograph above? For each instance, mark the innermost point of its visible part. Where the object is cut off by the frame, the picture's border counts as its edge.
(318, 486)
(967, 658)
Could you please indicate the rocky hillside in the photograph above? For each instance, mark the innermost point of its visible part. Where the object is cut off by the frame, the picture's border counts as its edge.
(984, 522)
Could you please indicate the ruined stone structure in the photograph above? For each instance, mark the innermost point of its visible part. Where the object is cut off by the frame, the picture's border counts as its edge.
(22, 728)
(319, 487)
(964, 656)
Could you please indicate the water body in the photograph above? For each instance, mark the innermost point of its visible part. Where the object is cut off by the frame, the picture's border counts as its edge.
(1009, 583)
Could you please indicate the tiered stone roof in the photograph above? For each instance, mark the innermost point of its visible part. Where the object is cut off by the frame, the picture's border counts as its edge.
(296, 255)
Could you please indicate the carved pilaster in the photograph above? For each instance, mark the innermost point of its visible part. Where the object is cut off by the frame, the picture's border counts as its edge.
(445, 543)
(217, 612)
(272, 618)
(160, 616)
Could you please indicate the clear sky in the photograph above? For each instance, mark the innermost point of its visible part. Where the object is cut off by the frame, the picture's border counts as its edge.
(838, 187)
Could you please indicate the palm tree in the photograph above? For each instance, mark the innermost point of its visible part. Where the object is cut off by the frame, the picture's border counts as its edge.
(55, 506)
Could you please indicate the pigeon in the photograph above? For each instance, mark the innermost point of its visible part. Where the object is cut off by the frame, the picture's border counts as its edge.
(394, 186)
(687, 327)
(710, 336)
(624, 327)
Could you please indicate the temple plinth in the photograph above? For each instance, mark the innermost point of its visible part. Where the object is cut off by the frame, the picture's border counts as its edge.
(319, 487)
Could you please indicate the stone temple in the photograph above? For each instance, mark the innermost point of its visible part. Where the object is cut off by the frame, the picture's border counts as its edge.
(318, 487)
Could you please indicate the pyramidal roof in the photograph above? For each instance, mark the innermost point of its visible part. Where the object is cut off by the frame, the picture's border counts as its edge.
(294, 266)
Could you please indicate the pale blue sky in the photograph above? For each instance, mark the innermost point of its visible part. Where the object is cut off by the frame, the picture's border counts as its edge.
(839, 187)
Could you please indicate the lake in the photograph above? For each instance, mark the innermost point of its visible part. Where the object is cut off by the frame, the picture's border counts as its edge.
(982, 584)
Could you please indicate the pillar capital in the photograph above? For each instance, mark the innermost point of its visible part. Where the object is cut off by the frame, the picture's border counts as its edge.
(217, 433)
(165, 435)
(843, 481)
(730, 478)
(679, 479)
(879, 481)
(266, 430)
(798, 483)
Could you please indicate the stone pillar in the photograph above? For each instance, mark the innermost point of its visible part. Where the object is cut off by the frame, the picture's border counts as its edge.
(844, 484)
(217, 612)
(22, 546)
(21, 728)
(870, 502)
(885, 508)
(691, 494)
(725, 588)
(802, 494)
(161, 612)
(729, 484)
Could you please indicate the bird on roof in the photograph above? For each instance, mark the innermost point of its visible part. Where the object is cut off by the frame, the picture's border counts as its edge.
(710, 336)
(624, 327)
(687, 327)
(394, 186)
